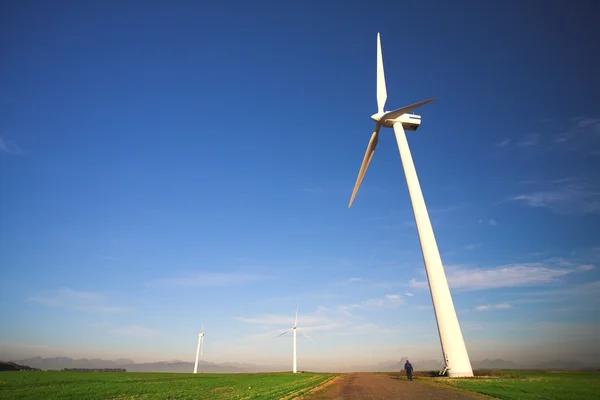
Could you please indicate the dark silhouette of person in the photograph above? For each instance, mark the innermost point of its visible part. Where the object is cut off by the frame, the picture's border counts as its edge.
(408, 368)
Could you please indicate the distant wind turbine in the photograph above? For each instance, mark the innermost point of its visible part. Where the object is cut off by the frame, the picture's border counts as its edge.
(453, 345)
(294, 329)
(199, 349)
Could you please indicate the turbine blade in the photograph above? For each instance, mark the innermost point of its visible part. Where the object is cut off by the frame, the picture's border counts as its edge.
(202, 328)
(365, 164)
(201, 343)
(381, 89)
(305, 335)
(296, 321)
(281, 334)
(397, 113)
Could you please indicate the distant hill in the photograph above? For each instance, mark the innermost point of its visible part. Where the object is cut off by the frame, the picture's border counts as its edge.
(58, 363)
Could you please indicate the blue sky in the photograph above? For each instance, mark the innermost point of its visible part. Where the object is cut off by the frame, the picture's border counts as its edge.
(168, 164)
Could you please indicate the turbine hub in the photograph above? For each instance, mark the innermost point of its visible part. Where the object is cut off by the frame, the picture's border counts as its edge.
(376, 117)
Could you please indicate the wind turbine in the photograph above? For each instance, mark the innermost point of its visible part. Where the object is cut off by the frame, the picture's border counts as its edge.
(199, 349)
(453, 345)
(294, 329)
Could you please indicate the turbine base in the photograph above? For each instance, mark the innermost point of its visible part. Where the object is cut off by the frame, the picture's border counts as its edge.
(455, 374)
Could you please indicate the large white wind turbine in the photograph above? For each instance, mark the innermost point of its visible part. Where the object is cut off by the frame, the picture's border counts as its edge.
(199, 349)
(453, 345)
(294, 329)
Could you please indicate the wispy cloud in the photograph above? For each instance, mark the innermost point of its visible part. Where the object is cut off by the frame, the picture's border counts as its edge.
(588, 289)
(490, 222)
(9, 147)
(564, 196)
(134, 330)
(207, 279)
(387, 301)
(325, 319)
(511, 275)
(531, 140)
(79, 300)
(446, 208)
(502, 143)
(284, 320)
(581, 134)
(488, 307)
(269, 326)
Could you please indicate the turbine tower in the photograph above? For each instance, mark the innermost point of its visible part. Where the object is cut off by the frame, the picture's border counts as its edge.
(199, 349)
(294, 329)
(453, 345)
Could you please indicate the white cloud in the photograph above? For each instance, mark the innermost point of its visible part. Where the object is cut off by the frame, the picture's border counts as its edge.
(581, 134)
(78, 300)
(585, 122)
(530, 140)
(492, 222)
(207, 279)
(408, 294)
(9, 147)
(134, 330)
(424, 307)
(502, 143)
(586, 267)
(324, 319)
(388, 301)
(488, 307)
(511, 275)
(285, 320)
(3, 147)
(564, 196)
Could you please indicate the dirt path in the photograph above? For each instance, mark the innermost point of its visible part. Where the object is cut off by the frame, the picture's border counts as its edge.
(363, 386)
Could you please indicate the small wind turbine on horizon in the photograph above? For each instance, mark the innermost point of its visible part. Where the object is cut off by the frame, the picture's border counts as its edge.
(199, 349)
(294, 329)
(453, 345)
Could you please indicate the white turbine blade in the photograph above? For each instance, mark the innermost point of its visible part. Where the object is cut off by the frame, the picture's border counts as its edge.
(306, 336)
(296, 321)
(381, 90)
(202, 328)
(281, 334)
(365, 164)
(397, 113)
(201, 344)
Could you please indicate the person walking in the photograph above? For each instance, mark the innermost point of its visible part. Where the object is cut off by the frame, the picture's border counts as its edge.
(408, 368)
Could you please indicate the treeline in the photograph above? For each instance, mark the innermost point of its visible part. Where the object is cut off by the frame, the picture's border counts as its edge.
(11, 366)
(94, 370)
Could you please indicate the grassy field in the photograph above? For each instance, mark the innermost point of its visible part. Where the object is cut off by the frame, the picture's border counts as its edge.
(530, 385)
(107, 385)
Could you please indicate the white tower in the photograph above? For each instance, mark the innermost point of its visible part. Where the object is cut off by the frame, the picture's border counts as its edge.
(453, 345)
(294, 330)
(199, 349)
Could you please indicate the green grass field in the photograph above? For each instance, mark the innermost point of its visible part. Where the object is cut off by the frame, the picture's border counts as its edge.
(107, 385)
(530, 385)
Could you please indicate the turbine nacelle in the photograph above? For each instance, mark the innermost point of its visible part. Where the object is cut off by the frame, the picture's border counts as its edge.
(410, 122)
